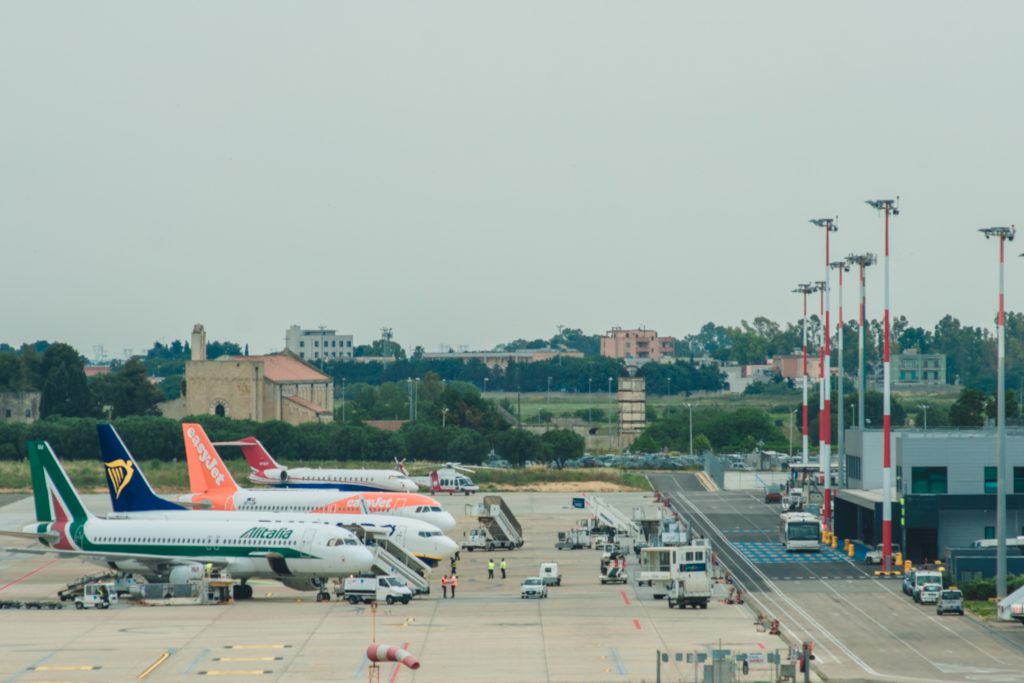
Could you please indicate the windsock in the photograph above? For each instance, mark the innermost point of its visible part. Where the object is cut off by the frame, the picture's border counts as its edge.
(388, 653)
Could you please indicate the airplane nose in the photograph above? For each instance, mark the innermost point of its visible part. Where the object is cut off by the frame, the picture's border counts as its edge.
(446, 547)
(361, 560)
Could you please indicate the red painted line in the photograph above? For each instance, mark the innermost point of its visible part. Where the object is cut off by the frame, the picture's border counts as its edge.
(398, 666)
(25, 576)
(625, 598)
(636, 624)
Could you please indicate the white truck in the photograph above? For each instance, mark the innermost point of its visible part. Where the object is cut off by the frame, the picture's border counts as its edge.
(481, 539)
(549, 573)
(690, 585)
(387, 589)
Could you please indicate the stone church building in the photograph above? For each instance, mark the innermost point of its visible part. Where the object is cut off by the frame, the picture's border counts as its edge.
(278, 386)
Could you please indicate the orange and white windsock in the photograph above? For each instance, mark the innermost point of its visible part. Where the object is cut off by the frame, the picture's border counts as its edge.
(379, 652)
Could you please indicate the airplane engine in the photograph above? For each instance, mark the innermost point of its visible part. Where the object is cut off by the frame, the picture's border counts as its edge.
(275, 474)
(299, 584)
(183, 573)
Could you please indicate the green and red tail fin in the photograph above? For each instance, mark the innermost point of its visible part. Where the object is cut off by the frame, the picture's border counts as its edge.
(55, 497)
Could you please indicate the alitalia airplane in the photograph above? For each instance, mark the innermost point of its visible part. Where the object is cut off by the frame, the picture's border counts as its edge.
(265, 470)
(299, 556)
(133, 498)
(214, 488)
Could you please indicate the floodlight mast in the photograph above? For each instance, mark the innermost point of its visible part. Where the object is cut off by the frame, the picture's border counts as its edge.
(805, 289)
(862, 260)
(1003, 234)
(842, 267)
(890, 208)
(825, 422)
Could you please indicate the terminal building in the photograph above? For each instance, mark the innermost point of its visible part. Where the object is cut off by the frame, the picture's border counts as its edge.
(944, 486)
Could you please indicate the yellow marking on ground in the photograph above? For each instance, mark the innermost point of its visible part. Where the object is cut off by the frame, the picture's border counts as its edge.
(276, 646)
(63, 667)
(247, 659)
(235, 672)
(152, 667)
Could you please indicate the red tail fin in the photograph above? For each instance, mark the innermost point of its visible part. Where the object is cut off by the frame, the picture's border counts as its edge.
(435, 481)
(256, 455)
(206, 471)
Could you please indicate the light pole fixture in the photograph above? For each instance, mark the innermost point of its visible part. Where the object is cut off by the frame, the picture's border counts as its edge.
(343, 380)
(547, 396)
(924, 407)
(805, 289)
(890, 208)
(444, 417)
(486, 380)
(1003, 234)
(610, 407)
(825, 422)
(689, 406)
(863, 261)
(590, 402)
(842, 267)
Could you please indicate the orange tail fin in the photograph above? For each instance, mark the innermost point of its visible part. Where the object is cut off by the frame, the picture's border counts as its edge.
(206, 470)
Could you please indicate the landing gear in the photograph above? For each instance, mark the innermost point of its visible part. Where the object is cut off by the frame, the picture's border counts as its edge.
(241, 591)
(322, 594)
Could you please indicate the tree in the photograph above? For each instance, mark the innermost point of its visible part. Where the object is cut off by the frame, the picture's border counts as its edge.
(1011, 407)
(127, 391)
(563, 444)
(968, 410)
(518, 446)
(64, 387)
(701, 444)
(468, 447)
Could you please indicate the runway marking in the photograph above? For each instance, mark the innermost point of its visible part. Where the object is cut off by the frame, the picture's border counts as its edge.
(25, 576)
(236, 672)
(359, 669)
(636, 624)
(625, 598)
(195, 662)
(152, 667)
(617, 661)
(32, 666)
(247, 659)
(256, 647)
(64, 667)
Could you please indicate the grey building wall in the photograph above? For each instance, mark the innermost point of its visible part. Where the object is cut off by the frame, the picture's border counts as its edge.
(964, 454)
(19, 406)
(867, 447)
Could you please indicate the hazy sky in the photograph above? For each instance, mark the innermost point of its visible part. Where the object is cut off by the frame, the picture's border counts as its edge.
(471, 172)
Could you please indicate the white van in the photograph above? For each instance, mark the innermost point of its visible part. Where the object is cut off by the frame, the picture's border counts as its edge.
(380, 588)
(921, 578)
(549, 572)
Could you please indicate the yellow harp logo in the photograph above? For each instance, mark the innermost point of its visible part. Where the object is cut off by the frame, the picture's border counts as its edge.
(120, 473)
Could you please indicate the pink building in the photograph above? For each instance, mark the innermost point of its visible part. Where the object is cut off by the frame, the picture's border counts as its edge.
(792, 367)
(639, 344)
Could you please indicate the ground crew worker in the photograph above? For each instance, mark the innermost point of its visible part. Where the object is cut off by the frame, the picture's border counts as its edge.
(454, 561)
(490, 569)
(453, 582)
(209, 569)
(444, 586)
(504, 566)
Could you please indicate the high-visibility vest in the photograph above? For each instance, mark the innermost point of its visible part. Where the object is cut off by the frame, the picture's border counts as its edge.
(504, 565)
(490, 565)
(444, 581)
(454, 581)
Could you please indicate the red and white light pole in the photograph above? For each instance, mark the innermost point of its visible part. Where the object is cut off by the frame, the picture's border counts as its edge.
(825, 422)
(889, 206)
(862, 260)
(805, 289)
(842, 267)
(1003, 234)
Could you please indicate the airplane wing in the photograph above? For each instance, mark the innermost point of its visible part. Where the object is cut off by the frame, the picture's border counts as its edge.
(159, 564)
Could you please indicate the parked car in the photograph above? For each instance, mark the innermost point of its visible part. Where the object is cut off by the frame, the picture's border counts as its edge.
(533, 587)
(951, 600)
(929, 593)
(773, 493)
(874, 556)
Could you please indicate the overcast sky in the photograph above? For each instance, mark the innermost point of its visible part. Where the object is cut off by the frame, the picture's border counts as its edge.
(472, 172)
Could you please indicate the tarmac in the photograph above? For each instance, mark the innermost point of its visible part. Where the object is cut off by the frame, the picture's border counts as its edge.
(583, 632)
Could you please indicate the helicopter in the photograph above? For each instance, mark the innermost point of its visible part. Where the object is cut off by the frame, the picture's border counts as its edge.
(449, 478)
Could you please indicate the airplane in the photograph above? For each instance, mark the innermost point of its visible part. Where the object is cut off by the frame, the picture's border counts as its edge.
(214, 488)
(448, 479)
(265, 470)
(132, 497)
(300, 557)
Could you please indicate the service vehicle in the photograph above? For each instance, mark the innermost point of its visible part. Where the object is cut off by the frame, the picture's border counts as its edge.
(799, 531)
(574, 539)
(482, 539)
(533, 587)
(368, 588)
(794, 500)
(773, 493)
(874, 556)
(691, 585)
(99, 595)
(950, 600)
(922, 577)
(549, 572)
(613, 568)
(929, 593)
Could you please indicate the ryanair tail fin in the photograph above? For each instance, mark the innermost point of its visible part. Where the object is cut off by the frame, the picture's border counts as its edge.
(129, 490)
(55, 497)
(206, 470)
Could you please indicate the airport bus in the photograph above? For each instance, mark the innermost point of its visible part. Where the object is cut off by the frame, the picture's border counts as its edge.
(799, 531)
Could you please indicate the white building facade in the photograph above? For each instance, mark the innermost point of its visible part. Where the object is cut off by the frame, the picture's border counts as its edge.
(318, 344)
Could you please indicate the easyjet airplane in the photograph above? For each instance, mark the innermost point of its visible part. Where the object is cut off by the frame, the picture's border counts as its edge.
(213, 488)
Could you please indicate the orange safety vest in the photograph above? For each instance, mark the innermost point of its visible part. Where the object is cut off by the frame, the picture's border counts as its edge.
(444, 581)
(454, 581)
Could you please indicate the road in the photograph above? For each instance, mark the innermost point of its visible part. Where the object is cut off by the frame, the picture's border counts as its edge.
(863, 628)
